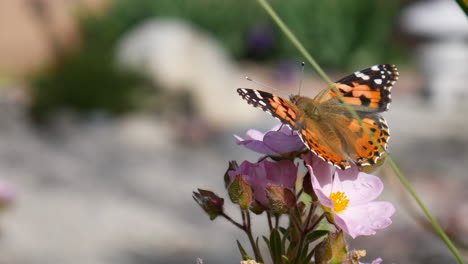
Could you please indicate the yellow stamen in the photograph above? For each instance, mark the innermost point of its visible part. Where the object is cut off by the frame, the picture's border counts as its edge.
(340, 201)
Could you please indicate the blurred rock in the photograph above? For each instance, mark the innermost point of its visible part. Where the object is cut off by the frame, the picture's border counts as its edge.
(30, 29)
(178, 56)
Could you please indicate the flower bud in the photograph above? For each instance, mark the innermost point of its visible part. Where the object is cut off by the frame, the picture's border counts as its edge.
(209, 202)
(333, 249)
(241, 192)
(281, 199)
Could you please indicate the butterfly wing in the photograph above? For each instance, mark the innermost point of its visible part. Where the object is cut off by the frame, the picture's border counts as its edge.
(320, 138)
(323, 140)
(286, 112)
(368, 90)
(358, 144)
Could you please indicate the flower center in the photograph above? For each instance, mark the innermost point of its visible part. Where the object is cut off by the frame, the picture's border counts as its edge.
(340, 201)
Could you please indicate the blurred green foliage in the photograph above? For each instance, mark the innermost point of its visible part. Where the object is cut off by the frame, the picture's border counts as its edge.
(340, 34)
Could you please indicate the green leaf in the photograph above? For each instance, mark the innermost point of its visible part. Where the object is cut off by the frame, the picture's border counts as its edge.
(276, 249)
(282, 230)
(309, 257)
(267, 242)
(304, 252)
(285, 237)
(315, 235)
(244, 254)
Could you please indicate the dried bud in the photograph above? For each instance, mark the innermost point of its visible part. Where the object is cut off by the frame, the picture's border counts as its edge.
(209, 202)
(241, 192)
(358, 254)
(231, 167)
(281, 199)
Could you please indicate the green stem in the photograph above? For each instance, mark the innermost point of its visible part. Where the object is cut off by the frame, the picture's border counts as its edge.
(258, 256)
(294, 40)
(270, 225)
(322, 74)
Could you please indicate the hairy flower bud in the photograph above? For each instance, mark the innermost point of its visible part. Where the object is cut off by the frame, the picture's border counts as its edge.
(281, 199)
(240, 192)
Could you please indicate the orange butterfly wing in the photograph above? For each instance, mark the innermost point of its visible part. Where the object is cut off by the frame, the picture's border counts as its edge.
(368, 90)
(359, 145)
(312, 133)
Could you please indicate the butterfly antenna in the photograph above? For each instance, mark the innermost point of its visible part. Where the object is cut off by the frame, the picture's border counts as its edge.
(262, 84)
(301, 78)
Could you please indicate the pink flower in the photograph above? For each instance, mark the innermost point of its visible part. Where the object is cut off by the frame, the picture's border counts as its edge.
(276, 142)
(376, 261)
(260, 174)
(349, 196)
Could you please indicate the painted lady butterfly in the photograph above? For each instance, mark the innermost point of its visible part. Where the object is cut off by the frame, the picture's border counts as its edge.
(324, 124)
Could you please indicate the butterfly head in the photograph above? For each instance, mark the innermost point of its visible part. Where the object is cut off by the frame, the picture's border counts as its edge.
(309, 106)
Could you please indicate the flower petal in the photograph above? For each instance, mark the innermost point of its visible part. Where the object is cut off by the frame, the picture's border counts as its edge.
(253, 143)
(364, 220)
(283, 141)
(320, 167)
(283, 172)
(321, 192)
(260, 174)
(359, 187)
(277, 141)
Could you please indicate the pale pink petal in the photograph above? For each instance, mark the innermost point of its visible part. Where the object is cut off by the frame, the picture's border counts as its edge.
(283, 142)
(365, 219)
(283, 172)
(274, 142)
(322, 192)
(359, 189)
(321, 169)
(260, 174)
(255, 145)
(254, 134)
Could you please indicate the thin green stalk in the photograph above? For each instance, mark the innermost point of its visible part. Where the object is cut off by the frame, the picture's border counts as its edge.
(294, 40)
(258, 256)
(463, 5)
(434, 222)
(322, 74)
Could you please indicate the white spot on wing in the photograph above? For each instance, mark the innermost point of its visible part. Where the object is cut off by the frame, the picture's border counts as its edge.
(362, 75)
(378, 81)
(258, 94)
(375, 68)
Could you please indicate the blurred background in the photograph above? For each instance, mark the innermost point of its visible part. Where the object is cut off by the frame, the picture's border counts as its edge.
(113, 111)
